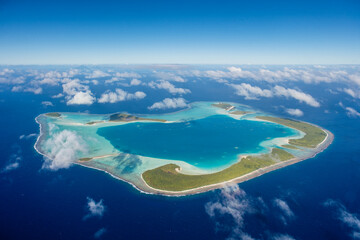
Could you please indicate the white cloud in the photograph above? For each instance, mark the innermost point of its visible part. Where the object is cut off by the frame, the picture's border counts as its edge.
(63, 149)
(355, 78)
(58, 95)
(282, 237)
(351, 220)
(254, 92)
(169, 87)
(284, 207)
(11, 166)
(294, 112)
(128, 75)
(169, 76)
(298, 95)
(120, 95)
(71, 87)
(47, 103)
(35, 90)
(28, 136)
(97, 74)
(12, 80)
(17, 88)
(14, 160)
(168, 103)
(135, 82)
(234, 203)
(113, 79)
(100, 233)
(77, 93)
(250, 92)
(6, 71)
(350, 112)
(305, 74)
(96, 209)
(233, 73)
(49, 81)
(351, 92)
(81, 98)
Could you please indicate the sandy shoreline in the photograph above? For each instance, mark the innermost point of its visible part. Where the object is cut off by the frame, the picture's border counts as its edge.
(321, 147)
(149, 190)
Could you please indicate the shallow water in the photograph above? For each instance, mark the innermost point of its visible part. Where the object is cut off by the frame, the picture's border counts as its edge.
(209, 142)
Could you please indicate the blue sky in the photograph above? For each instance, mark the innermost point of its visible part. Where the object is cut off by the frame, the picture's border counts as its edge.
(200, 32)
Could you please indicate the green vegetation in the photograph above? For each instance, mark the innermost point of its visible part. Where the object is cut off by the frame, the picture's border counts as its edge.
(313, 135)
(94, 122)
(168, 178)
(238, 112)
(222, 105)
(85, 159)
(53, 114)
(290, 146)
(123, 117)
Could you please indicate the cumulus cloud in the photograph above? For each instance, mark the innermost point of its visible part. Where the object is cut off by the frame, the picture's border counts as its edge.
(351, 220)
(294, 112)
(286, 213)
(96, 209)
(12, 80)
(168, 103)
(98, 234)
(11, 166)
(31, 135)
(62, 149)
(71, 87)
(284, 207)
(122, 76)
(350, 112)
(128, 75)
(47, 104)
(60, 95)
(97, 74)
(169, 87)
(308, 74)
(254, 92)
(251, 92)
(35, 90)
(14, 160)
(351, 92)
(355, 78)
(282, 237)
(120, 95)
(6, 71)
(8, 76)
(230, 209)
(168, 76)
(298, 95)
(233, 73)
(81, 98)
(77, 93)
(135, 82)
(49, 81)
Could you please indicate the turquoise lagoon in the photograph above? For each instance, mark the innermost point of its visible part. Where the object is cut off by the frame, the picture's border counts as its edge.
(210, 142)
(200, 139)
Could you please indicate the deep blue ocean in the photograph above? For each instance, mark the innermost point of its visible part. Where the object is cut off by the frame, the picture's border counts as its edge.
(42, 204)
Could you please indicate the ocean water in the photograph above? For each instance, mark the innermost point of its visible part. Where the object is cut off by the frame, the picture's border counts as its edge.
(39, 204)
(206, 143)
